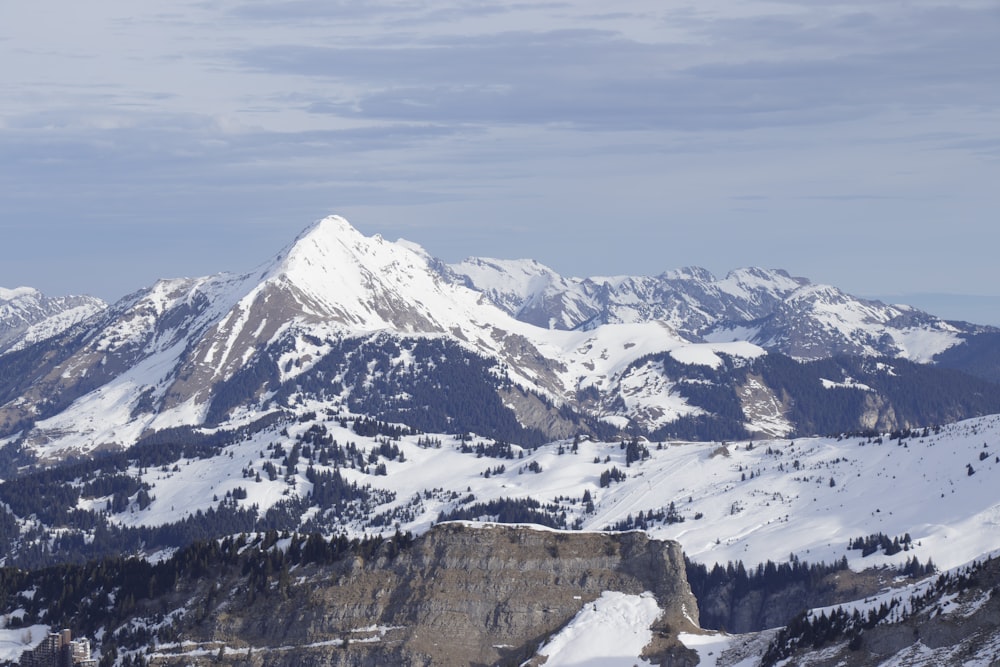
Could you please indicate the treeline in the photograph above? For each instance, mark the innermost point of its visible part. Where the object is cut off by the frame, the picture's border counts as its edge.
(509, 510)
(52, 496)
(41, 547)
(978, 355)
(85, 535)
(810, 631)
(880, 542)
(649, 519)
(917, 393)
(170, 445)
(258, 375)
(721, 590)
(66, 533)
(732, 583)
(331, 491)
(813, 408)
(444, 388)
(769, 576)
(316, 445)
(14, 456)
(707, 388)
(806, 630)
(367, 427)
(105, 592)
(494, 450)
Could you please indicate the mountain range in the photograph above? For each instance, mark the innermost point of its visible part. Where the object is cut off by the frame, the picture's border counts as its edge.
(681, 354)
(804, 447)
(27, 316)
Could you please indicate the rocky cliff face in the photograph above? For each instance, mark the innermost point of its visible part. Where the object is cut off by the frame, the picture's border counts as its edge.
(459, 595)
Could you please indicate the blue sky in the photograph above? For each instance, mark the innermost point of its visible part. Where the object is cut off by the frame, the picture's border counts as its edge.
(853, 143)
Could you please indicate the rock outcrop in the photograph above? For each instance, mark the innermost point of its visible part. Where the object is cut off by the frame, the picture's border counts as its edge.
(459, 595)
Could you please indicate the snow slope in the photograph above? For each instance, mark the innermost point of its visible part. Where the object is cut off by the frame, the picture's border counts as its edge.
(175, 341)
(27, 316)
(763, 306)
(14, 642)
(739, 501)
(612, 632)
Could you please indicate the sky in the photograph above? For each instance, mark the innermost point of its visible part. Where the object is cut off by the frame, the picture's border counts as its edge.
(853, 143)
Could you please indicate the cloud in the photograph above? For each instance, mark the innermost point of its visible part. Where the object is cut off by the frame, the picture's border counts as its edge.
(314, 10)
(789, 74)
(465, 60)
(388, 14)
(140, 153)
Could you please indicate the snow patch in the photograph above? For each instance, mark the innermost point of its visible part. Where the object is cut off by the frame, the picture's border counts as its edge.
(15, 641)
(711, 646)
(847, 384)
(611, 631)
(922, 345)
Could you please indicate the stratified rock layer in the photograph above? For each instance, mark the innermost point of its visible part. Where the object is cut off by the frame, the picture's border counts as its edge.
(460, 595)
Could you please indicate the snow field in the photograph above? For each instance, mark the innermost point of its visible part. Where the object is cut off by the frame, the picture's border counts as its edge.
(13, 642)
(609, 632)
(759, 502)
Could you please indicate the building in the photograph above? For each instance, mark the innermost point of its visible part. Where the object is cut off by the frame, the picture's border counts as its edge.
(59, 649)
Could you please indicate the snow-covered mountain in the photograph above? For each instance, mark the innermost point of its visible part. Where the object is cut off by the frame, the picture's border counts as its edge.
(27, 316)
(359, 321)
(155, 359)
(764, 306)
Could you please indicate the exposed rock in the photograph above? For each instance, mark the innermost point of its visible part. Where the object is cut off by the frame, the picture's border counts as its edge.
(950, 620)
(533, 412)
(460, 595)
(27, 316)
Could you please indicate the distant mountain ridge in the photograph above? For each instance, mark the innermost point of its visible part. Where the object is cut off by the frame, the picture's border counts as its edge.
(28, 316)
(392, 332)
(767, 307)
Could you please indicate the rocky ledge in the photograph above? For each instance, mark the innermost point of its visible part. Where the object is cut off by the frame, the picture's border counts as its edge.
(461, 594)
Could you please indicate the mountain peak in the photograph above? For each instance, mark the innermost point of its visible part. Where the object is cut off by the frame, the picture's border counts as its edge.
(326, 231)
(750, 280)
(330, 225)
(325, 245)
(338, 274)
(690, 273)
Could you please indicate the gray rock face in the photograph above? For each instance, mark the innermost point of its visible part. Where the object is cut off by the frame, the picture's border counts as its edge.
(459, 595)
(947, 620)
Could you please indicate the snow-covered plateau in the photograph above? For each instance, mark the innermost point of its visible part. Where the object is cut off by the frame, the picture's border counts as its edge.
(749, 501)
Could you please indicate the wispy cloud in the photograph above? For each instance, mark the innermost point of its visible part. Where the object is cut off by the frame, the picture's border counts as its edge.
(792, 74)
